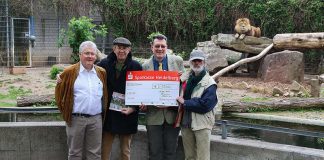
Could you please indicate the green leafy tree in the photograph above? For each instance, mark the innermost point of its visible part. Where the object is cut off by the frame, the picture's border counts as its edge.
(150, 37)
(80, 30)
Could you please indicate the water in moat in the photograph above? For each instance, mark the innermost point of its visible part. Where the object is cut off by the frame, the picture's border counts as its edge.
(274, 136)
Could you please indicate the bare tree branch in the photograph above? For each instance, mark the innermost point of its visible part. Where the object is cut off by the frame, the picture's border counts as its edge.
(243, 61)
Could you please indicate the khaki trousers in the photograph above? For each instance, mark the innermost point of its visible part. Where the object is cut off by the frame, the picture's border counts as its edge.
(125, 142)
(196, 144)
(84, 138)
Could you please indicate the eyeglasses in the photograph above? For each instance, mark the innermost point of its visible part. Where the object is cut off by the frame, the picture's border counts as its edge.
(89, 54)
(158, 46)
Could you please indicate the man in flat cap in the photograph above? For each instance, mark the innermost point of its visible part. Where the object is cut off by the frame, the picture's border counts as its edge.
(198, 100)
(119, 122)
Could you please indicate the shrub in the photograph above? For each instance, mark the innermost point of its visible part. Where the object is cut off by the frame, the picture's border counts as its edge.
(80, 30)
(54, 71)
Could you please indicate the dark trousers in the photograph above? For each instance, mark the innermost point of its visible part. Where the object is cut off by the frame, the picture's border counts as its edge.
(162, 141)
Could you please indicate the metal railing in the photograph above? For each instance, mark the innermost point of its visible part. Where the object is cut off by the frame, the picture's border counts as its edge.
(13, 111)
(226, 123)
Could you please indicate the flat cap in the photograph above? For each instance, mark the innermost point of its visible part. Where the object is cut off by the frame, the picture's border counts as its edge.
(197, 54)
(122, 41)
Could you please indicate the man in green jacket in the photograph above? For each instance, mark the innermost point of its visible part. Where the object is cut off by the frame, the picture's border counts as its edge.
(162, 136)
(81, 97)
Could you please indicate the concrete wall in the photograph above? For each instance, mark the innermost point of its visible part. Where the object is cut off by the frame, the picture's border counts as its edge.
(32, 141)
(47, 140)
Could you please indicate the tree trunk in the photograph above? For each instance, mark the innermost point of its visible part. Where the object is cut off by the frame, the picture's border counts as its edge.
(249, 44)
(25, 101)
(285, 104)
(299, 40)
(242, 61)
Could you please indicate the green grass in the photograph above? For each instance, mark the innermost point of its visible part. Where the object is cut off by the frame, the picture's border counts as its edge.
(269, 109)
(14, 92)
(258, 99)
(7, 104)
(51, 85)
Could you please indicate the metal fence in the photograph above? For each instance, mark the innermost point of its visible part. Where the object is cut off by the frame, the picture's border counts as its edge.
(46, 27)
(225, 124)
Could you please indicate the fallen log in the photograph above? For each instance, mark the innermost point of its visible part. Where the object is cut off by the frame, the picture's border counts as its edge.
(271, 105)
(249, 44)
(31, 100)
(299, 40)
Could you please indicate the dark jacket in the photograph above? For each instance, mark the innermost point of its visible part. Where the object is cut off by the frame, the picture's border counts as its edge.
(116, 122)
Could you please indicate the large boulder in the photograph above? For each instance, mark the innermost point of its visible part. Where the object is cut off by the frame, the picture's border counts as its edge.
(284, 67)
(249, 44)
(217, 58)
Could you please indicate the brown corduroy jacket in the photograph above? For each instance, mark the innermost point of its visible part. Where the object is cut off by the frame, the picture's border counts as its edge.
(64, 91)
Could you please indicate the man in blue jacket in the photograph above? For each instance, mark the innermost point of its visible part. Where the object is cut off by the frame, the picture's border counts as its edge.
(198, 100)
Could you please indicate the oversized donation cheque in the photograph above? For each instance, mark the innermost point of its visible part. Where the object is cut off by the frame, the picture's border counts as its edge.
(159, 88)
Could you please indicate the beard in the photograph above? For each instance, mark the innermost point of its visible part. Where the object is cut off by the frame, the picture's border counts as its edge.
(197, 69)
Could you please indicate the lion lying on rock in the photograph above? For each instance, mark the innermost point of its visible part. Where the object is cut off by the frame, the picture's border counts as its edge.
(243, 28)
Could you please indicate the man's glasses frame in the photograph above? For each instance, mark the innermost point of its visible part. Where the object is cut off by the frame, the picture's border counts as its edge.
(159, 46)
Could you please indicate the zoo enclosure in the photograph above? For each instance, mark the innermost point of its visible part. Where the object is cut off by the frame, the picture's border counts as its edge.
(16, 47)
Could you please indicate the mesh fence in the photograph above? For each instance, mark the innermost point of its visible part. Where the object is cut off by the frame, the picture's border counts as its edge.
(45, 52)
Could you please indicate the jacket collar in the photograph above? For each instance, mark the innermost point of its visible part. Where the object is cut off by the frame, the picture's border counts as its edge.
(82, 68)
(112, 57)
(203, 81)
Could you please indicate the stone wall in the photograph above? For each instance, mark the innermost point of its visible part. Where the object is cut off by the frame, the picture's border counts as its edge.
(47, 140)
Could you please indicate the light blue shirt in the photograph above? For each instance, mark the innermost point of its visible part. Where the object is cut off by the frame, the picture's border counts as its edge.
(88, 91)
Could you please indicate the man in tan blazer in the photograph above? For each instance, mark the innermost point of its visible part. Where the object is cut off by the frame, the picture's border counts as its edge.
(162, 136)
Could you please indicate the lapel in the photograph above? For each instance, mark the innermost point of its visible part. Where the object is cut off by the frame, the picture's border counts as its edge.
(150, 65)
(171, 65)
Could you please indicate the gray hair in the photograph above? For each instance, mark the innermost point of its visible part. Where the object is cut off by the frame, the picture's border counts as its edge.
(87, 44)
(159, 37)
